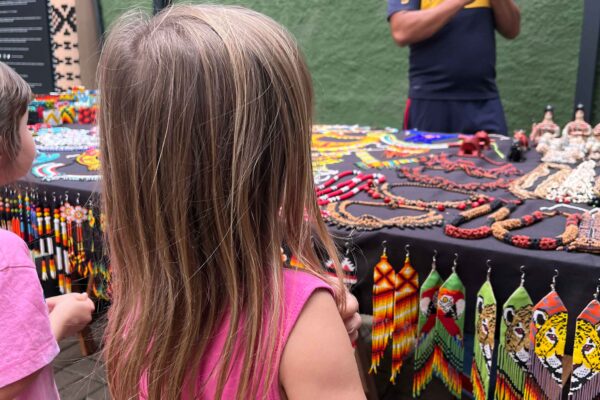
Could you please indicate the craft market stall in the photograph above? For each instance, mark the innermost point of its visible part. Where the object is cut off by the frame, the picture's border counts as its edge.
(443, 238)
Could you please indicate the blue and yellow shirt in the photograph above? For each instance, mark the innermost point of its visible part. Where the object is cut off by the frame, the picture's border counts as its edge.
(459, 61)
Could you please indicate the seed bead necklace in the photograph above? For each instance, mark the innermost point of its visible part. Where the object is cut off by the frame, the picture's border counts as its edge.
(501, 231)
(442, 162)
(384, 192)
(588, 238)
(416, 175)
(500, 210)
(337, 214)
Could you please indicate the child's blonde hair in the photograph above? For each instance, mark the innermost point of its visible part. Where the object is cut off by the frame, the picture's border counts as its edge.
(15, 95)
(205, 121)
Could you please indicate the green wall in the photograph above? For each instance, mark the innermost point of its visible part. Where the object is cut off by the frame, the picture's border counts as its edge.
(360, 75)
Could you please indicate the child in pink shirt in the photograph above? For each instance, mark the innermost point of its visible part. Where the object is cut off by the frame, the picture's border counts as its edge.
(29, 327)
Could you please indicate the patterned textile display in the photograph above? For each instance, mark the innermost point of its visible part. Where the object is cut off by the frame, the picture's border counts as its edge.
(384, 282)
(585, 381)
(513, 346)
(68, 114)
(52, 117)
(65, 47)
(548, 334)
(449, 326)
(405, 315)
(426, 338)
(483, 348)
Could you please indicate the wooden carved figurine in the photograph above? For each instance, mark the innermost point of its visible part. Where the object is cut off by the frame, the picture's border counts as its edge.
(545, 130)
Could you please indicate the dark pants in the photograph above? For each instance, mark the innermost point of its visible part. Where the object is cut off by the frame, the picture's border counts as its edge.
(455, 116)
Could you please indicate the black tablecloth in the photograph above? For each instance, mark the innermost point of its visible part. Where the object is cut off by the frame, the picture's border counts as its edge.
(579, 272)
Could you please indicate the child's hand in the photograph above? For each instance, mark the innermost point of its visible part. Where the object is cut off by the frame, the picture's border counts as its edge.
(70, 314)
(51, 302)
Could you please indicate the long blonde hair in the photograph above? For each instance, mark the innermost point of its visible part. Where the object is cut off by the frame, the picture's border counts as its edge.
(205, 121)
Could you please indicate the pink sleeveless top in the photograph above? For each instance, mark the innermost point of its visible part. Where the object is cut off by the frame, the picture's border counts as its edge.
(298, 286)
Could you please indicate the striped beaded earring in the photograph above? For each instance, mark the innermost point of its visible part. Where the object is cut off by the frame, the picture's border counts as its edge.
(406, 300)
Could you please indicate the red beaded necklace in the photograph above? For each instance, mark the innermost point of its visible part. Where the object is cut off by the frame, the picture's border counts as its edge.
(327, 192)
(416, 175)
(384, 191)
(442, 162)
(453, 228)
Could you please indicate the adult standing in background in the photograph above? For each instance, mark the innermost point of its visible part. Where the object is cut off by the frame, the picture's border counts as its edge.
(453, 61)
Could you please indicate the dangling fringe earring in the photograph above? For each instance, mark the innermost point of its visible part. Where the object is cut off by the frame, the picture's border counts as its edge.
(548, 333)
(449, 327)
(585, 381)
(483, 347)
(383, 308)
(513, 344)
(426, 338)
(405, 314)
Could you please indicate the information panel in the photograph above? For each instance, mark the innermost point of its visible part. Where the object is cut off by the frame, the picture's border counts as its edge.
(25, 41)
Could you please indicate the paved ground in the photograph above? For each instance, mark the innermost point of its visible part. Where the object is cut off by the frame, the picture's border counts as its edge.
(77, 377)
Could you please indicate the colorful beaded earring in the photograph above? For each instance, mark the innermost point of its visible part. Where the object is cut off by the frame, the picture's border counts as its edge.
(348, 268)
(548, 335)
(384, 279)
(405, 314)
(513, 344)
(483, 348)
(449, 328)
(585, 381)
(425, 348)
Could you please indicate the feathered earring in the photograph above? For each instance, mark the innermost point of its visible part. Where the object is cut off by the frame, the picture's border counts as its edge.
(485, 329)
(449, 328)
(384, 280)
(426, 338)
(405, 314)
(585, 381)
(548, 335)
(513, 344)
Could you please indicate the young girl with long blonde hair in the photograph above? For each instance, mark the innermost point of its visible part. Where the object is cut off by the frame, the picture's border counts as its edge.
(205, 123)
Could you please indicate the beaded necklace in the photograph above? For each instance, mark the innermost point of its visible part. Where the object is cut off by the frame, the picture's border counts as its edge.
(453, 229)
(66, 139)
(501, 231)
(384, 192)
(519, 187)
(48, 173)
(368, 161)
(442, 162)
(327, 192)
(588, 238)
(415, 175)
(337, 214)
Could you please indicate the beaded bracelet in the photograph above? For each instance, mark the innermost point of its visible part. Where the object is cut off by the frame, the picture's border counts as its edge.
(453, 229)
(337, 214)
(588, 238)
(501, 231)
(384, 192)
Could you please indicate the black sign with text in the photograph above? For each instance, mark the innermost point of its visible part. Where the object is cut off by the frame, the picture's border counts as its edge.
(25, 41)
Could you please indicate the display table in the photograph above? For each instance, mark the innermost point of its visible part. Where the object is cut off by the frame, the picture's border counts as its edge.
(579, 272)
